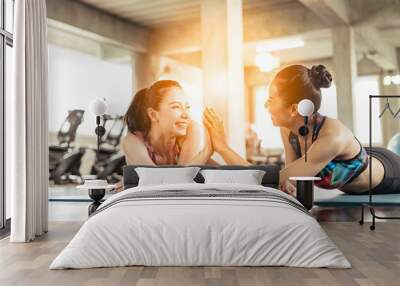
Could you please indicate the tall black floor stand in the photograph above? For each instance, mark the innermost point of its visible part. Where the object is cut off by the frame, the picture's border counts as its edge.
(370, 204)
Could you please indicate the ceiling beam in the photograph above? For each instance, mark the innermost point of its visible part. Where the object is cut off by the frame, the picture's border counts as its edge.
(155, 21)
(382, 52)
(98, 23)
(186, 36)
(398, 56)
(333, 12)
(65, 39)
(280, 22)
(139, 5)
(160, 10)
(377, 49)
(176, 39)
(115, 54)
(74, 41)
(389, 15)
(337, 12)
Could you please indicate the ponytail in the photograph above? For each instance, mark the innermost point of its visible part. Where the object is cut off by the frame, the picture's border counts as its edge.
(136, 117)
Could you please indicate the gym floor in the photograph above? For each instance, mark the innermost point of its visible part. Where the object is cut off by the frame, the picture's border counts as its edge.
(77, 210)
(374, 255)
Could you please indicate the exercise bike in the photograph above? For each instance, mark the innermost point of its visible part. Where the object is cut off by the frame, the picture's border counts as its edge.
(64, 161)
(108, 162)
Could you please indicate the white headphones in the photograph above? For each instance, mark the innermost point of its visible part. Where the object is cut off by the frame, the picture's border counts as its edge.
(305, 109)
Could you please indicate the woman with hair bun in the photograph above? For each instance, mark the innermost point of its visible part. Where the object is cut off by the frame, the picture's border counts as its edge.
(335, 154)
(160, 130)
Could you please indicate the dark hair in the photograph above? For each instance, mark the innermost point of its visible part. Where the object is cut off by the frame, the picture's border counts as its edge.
(136, 117)
(297, 82)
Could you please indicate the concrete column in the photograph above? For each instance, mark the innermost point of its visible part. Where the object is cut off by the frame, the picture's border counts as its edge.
(145, 70)
(222, 61)
(345, 67)
(390, 125)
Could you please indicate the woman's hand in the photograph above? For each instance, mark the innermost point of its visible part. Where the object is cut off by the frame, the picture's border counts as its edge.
(284, 184)
(215, 127)
(288, 188)
(119, 187)
(208, 148)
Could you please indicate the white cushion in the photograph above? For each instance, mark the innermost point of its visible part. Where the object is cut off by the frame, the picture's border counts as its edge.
(95, 183)
(164, 176)
(248, 177)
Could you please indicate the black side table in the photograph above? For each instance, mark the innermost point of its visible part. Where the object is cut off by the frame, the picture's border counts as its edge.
(96, 194)
(305, 190)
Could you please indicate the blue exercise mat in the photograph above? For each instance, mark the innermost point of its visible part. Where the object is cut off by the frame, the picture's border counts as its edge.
(337, 198)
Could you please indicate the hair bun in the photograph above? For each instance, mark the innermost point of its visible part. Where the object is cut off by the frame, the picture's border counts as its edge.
(320, 76)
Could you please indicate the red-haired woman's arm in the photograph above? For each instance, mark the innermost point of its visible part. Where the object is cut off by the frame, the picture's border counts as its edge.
(194, 150)
(135, 151)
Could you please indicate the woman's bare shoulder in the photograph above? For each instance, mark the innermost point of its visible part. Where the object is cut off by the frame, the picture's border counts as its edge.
(131, 140)
(336, 129)
(130, 137)
(135, 150)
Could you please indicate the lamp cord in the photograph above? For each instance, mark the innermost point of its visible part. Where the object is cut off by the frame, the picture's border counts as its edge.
(98, 137)
(305, 138)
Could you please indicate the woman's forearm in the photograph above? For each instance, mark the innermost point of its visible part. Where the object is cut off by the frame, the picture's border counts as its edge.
(201, 158)
(231, 157)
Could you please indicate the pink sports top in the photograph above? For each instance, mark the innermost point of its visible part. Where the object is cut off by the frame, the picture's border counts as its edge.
(172, 157)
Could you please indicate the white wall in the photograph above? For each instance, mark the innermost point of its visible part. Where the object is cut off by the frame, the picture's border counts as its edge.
(266, 131)
(329, 102)
(76, 78)
(364, 86)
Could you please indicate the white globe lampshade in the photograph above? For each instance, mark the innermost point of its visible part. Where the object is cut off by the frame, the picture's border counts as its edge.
(305, 107)
(98, 107)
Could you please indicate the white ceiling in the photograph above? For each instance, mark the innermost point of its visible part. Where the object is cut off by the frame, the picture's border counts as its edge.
(159, 12)
(318, 44)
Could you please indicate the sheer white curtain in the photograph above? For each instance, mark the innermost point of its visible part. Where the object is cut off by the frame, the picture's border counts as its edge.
(27, 145)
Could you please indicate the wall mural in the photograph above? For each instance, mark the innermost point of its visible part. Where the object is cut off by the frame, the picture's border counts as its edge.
(158, 129)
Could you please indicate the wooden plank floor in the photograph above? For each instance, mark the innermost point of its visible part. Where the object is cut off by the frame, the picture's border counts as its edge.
(375, 257)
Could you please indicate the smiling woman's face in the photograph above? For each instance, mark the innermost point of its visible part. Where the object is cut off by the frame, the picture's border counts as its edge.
(173, 114)
(280, 113)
